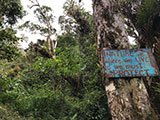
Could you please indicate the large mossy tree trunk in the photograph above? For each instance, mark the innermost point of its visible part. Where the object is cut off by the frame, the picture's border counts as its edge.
(127, 97)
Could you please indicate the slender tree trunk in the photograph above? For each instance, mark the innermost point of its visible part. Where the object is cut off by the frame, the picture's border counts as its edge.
(53, 48)
(49, 47)
(127, 98)
(49, 43)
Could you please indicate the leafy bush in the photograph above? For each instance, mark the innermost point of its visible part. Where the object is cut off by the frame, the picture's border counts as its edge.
(145, 12)
(7, 114)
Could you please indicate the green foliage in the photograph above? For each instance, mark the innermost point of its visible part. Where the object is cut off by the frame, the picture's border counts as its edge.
(7, 114)
(66, 40)
(8, 48)
(158, 87)
(69, 62)
(68, 87)
(145, 12)
(42, 90)
(10, 11)
(43, 12)
(45, 20)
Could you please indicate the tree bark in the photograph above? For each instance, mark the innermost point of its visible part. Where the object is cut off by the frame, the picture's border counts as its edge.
(127, 97)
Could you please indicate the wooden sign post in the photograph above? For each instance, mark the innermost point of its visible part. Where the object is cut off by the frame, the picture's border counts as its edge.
(129, 63)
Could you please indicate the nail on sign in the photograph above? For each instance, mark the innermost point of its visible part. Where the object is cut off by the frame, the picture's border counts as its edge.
(129, 63)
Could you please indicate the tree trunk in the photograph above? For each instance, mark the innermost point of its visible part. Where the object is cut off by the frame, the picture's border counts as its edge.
(49, 43)
(127, 97)
(51, 47)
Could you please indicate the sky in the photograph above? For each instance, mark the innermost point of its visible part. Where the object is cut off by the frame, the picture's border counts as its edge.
(57, 6)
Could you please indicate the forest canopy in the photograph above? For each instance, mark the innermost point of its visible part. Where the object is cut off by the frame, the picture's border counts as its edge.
(60, 77)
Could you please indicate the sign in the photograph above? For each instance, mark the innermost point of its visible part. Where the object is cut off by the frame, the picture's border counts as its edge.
(129, 63)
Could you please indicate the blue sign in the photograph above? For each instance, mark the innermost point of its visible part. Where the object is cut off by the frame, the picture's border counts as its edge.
(129, 63)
